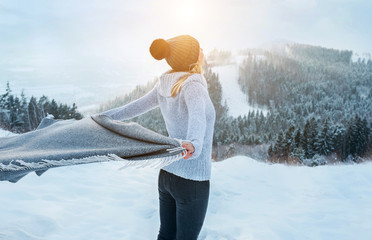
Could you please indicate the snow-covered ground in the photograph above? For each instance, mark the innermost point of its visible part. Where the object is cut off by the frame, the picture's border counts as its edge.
(4, 133)
(231, 93)
(248, 200)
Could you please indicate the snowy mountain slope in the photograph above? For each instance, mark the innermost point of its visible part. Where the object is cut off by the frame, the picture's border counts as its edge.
(231, 93)
(248, 200)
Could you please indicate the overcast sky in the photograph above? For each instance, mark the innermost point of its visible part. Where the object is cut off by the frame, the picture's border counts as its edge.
(115, 26)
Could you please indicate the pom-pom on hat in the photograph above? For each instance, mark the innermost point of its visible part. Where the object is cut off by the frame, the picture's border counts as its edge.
(159, 49)
(180, 52)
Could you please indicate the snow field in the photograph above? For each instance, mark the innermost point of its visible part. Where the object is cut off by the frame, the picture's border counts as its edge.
(248, 200)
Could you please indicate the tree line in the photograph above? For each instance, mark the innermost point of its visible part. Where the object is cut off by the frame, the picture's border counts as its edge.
(322, 139)
(18, 114)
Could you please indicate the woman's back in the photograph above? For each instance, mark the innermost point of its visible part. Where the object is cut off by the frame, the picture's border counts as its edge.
(189, 116)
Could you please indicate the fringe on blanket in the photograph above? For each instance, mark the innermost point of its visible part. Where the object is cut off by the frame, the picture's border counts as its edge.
(157, 162)
(43, 165)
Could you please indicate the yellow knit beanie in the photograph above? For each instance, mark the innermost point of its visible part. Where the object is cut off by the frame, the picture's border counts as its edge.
(180, 52)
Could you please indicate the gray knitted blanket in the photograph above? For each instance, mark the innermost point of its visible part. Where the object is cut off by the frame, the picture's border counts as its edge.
(98, 138)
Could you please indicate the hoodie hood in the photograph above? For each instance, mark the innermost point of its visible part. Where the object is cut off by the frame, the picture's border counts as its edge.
(167, 80)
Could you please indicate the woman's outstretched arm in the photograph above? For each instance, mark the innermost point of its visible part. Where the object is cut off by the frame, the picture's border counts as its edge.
(135, 108)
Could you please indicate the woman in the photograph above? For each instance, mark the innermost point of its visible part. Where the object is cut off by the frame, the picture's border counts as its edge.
(182, 95)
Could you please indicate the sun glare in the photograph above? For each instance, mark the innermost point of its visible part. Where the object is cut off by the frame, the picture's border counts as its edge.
(187, 10)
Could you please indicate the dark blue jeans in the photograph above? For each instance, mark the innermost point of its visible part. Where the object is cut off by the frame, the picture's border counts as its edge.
(183, 205)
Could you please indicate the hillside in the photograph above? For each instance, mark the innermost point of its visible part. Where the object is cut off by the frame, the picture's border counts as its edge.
(305, 104)
(235, 98)
(319, 100)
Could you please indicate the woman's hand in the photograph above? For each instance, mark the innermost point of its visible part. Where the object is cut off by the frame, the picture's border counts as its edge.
(190, 149)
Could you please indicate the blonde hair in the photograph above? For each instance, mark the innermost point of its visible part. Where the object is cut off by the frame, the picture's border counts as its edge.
(194, 68)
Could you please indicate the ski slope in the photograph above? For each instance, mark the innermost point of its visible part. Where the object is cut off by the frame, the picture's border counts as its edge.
(231, 93)
(248, 200)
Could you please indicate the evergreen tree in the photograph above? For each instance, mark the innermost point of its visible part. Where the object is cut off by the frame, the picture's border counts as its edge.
(287, 143)
(311, 144)
(279, 146)
(306, 140)
(324, 141)
(24, 113)
(297, 139)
